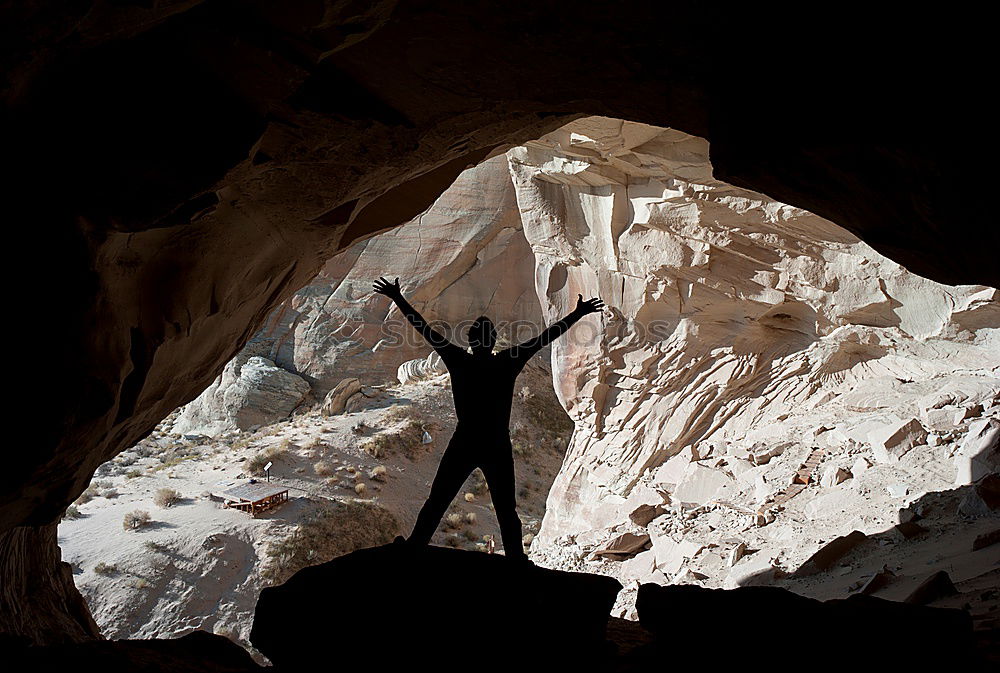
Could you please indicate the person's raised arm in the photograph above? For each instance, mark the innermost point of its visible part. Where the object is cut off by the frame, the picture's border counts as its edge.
(438, 341)
(527, 349)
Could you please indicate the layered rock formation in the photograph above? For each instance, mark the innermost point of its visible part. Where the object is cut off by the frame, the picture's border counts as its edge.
(251, 392)
(735, 321)
(464, 257)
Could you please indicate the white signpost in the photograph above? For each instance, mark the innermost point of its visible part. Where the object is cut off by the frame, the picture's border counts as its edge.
(267, 470)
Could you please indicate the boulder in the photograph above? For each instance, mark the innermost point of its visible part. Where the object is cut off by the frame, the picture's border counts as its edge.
(671, 555)
(421, 369)
(644, 514)
(623, 546)
(979, 453)
(833, 475)
(830, 553)
(395, 604)
(336, 400)
(252, 391)
(891, 441)
(700, 484)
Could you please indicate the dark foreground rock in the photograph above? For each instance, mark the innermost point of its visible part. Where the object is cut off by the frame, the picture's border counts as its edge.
(443, 608)
(400, 608)
(691, 624)
(197, 652)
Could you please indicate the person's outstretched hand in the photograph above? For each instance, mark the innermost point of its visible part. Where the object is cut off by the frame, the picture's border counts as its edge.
(391, 290)
(590, 306)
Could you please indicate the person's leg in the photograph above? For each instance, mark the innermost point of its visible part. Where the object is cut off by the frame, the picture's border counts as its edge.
(499, 473)
(454, 469)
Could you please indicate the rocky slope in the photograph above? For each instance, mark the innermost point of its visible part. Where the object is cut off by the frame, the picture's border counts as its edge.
(742, 335)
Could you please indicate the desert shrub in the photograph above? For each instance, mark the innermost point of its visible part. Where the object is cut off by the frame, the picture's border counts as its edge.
(135, 520)
(87, 495)
(256, 464)
(378, 473)
(140, 583)
(323, 468)
(360, 488)
(477, 482)
(470, 535)
(103, 568)
(153, 545)
(110, 493)
(166, 497)
(133, 473)
(274, 452)
(453, 520)
(72, 512)
(332, 481)
(470, 518)
(470, 497)
(241, 443)
(336, 530)
(406, 440)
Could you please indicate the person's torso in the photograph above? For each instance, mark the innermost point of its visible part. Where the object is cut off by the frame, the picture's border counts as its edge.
(483, 389)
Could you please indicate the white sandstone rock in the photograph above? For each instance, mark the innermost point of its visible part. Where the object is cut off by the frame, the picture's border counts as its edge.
(893, 440)
(979, 454)
(336, 400)
(251, 391)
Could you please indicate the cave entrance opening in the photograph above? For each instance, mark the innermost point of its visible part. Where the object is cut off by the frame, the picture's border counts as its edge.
(742, 335)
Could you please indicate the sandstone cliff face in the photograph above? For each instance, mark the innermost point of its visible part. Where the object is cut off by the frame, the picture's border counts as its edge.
(464, 257)
(732, 318)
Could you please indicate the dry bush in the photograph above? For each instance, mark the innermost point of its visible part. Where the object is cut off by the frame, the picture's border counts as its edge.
(87, 495)
(103, 568)
(323, 468)
(72, 512)
(378, 473)
(332, 481)
(407, 440)
(360, 488)
(337, 530)
(110, 493)
(478, 483)
(470, 518)
(470, 497)
(135, 520)
(166, 497)
(255, 465)
(454, 520)
(133, 474)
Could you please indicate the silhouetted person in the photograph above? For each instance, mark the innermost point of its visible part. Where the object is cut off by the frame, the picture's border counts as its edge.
(482, 383)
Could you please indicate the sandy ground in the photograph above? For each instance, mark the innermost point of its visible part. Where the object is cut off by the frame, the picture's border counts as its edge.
(197, 565)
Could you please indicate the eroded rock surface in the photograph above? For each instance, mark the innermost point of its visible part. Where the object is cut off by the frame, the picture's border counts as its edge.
(735, 322)
(251, 392)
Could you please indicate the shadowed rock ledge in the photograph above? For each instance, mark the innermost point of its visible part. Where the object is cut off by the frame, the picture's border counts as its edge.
(398, 607)
(402, 606)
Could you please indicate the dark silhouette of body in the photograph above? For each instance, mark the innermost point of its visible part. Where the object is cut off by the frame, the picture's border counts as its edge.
(482, 383)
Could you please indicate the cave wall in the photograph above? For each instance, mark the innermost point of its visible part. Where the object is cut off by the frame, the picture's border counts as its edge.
(183, 167)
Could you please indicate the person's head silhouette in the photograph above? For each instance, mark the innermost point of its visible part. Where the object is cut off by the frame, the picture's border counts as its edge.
(482, 336)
